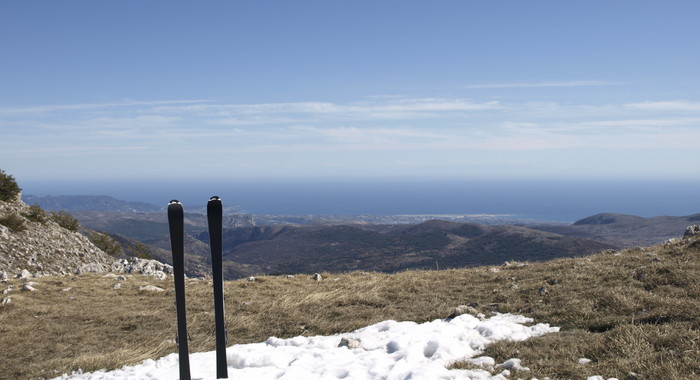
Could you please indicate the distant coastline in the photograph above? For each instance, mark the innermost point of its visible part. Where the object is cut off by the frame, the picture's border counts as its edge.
(563, 201)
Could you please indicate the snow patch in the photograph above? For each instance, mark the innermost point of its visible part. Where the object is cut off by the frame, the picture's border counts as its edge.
(387, 350)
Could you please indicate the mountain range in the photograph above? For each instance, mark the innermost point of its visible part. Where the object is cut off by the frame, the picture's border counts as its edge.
(331, 246)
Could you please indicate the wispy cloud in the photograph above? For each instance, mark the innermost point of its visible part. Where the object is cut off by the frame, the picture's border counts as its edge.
(677, 105)
(379, 107)
(580, 83)
(395, 127)
(88, 106)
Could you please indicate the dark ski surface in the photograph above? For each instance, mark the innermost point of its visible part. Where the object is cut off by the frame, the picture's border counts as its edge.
(177, 244)
(215, 216)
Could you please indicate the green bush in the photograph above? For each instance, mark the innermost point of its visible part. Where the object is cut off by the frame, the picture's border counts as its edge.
(106, 243)
(14, 222)
(64, 220)
(8, 187)
(36, 214)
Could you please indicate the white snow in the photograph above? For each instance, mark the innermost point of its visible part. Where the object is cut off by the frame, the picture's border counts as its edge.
(388, 350)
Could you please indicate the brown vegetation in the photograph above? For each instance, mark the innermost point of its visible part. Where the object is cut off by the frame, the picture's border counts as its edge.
(632, 311)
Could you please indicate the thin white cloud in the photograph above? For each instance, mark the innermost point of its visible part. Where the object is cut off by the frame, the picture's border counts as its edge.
(396, 126)
(88, 106)
(677, 105)
(642, 123)
(580, 83)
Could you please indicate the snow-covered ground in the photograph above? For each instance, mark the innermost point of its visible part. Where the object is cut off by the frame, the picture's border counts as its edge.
(386, 350)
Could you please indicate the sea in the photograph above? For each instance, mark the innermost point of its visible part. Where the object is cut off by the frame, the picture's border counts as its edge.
(552, 200)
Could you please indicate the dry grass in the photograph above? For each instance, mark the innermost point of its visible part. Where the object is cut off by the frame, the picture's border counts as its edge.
(631, 311)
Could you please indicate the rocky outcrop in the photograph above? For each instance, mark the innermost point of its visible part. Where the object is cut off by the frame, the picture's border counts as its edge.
(691, 231)
(45, 248)
(144, 267)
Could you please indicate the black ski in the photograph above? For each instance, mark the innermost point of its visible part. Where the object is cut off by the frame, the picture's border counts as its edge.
(177, 242)
(214, 216)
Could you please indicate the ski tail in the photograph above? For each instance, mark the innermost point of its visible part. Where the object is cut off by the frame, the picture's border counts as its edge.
(176, 221)
(215, 217)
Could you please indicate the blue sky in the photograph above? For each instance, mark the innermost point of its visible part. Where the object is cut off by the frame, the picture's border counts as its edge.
(331, 90)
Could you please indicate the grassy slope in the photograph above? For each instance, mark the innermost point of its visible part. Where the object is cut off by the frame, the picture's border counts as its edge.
(635, 311)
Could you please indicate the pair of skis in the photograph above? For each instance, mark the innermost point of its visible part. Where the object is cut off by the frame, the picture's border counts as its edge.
(177, 241)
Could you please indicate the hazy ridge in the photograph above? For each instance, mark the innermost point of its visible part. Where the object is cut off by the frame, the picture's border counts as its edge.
(268, 244)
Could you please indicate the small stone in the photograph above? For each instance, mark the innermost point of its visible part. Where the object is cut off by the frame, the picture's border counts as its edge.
(543, 290)
(117, 286)
(66, 289)
(350, 343)
(289, 276)
(6, 300)
(3, 276)
(463, 309)
(251, 279)
(584, 361)
(28, 288)
(317, 277)
(150, 288)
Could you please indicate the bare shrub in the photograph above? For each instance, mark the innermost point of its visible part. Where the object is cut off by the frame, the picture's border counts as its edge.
(36, 214)
(65, 220)
(14, 222)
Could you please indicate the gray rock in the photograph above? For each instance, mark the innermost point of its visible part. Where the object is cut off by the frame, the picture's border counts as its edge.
(3, 276)
(543, 290)
(28, 288)
(24, 274)
(6, 300)
(159, 275)
(91, 268)
(317, 277)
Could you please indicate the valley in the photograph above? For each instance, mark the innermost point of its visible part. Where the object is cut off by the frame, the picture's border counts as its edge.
(269, 244)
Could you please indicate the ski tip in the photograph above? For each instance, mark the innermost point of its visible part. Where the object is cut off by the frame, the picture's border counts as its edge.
(174, 202)
(214, 198)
